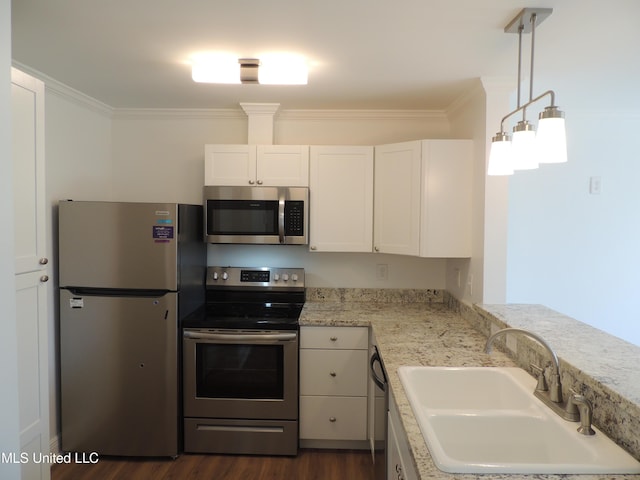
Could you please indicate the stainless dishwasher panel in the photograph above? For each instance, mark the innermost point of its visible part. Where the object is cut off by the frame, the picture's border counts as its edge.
(119, 374)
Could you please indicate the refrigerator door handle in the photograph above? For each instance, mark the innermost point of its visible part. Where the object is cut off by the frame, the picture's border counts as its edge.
(116, 292)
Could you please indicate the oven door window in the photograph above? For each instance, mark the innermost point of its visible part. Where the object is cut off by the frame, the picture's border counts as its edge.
(242, 217)
(239, 371)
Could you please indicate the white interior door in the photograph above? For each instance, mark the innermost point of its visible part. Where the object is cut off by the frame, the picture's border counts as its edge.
(27, 109)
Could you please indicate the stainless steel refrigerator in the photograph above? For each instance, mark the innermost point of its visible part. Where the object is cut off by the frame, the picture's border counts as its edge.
(128, 274)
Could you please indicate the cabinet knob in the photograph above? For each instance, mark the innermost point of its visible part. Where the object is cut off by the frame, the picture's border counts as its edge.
(44, 261)
(333, 339)
(333, 374)
(376, 249)
(259, 182)
(313, 247)
(44, 278)
(251, 182)
(333, 419)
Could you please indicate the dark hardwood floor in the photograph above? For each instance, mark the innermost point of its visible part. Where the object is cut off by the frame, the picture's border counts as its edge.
(308, 465)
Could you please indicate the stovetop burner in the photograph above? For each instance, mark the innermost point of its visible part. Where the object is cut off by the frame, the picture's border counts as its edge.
(252, 298)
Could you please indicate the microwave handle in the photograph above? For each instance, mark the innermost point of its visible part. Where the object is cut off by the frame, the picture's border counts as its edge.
(281, 203)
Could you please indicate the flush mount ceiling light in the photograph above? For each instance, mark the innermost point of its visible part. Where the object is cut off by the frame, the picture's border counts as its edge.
(528, 148)
(276, 69)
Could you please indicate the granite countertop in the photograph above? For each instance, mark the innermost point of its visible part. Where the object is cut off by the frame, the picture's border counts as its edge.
(419, 333)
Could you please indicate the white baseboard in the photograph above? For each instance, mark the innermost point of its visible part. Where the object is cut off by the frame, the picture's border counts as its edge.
(54, 444)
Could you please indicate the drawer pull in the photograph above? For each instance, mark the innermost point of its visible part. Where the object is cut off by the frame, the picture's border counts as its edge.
(333, 339)
(333, 374)
(333, 419)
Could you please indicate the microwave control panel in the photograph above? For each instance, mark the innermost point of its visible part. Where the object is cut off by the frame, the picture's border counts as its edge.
(294, 218)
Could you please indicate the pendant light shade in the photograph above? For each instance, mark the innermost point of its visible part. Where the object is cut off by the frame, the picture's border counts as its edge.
(522, 147)
(551, 140)
(500, 156)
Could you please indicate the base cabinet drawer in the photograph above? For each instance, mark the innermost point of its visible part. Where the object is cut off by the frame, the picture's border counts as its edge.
(333, 418)
(333, 372)
(334, 337)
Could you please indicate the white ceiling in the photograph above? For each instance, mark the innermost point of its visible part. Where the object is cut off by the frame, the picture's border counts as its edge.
(363, 54)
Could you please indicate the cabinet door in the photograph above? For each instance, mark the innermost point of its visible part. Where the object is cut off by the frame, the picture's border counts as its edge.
(397, 198)
(399, 458)
(27, 114)
(282, 165)
(33, 371)
(446, 204)
(341, 199)
(230, 165)
(28, 172)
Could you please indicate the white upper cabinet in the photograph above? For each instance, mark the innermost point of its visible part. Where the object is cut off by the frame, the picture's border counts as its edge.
(257, 165)
(341, 198)
(447, 183)
(397, 198)
(423, 198)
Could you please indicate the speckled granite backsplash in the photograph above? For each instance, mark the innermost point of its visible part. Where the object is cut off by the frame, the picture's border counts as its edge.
(377, 295)
(602, 367)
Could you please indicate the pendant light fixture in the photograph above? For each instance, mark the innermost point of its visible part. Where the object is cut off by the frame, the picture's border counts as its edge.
(526, 149)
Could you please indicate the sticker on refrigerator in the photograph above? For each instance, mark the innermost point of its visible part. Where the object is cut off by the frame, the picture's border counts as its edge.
(76, 302)
(162, 232)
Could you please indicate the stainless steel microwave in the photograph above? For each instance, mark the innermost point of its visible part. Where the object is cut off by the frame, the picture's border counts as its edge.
(256, 215)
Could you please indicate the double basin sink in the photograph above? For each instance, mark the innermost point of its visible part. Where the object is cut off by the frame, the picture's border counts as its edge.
(487, 420)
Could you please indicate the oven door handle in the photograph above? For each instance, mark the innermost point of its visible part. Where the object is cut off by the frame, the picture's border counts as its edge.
(241, 337)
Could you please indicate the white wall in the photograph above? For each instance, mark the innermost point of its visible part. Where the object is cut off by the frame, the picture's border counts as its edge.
(336, 270)
(158, 155)
(577, 252)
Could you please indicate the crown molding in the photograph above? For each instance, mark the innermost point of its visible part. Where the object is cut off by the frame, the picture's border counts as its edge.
(55, 87)
(181, 113)
(292, 114)
(362, 114)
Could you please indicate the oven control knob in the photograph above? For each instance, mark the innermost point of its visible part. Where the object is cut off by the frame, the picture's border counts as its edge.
(215, 275)
(276, 277)
(285, 277)
(294, 277)
(225, 275)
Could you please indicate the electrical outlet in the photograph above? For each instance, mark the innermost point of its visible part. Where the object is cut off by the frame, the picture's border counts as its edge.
(382, 271)
(470, 283)
(595, 185)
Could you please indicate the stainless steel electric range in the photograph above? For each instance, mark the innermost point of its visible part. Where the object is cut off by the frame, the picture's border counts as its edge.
(240, 363)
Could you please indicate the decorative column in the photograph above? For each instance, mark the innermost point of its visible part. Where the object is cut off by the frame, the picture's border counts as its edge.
(260, 122)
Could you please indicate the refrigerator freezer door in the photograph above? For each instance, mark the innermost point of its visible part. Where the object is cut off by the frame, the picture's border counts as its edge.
(118, 245)
(119, 375)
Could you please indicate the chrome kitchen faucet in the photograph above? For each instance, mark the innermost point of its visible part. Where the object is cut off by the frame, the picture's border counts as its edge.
(551, 395)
